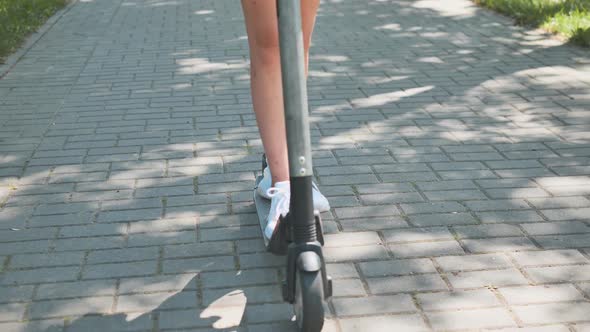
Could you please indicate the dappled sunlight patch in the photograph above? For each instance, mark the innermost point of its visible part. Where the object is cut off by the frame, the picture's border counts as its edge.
(389, 26)
(204, 12)
(390, 97)
(431, 59)
(228, 309)
(461, 9)
(202, 65)
(164, 3)
(330, 58)
(144, 295)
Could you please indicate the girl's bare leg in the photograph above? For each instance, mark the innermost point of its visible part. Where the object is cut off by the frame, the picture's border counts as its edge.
(265, 76)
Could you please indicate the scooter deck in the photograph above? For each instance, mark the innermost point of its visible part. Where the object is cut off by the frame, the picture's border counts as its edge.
(262, 209)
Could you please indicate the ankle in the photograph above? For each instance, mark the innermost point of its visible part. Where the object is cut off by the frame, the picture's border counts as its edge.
(282, 184)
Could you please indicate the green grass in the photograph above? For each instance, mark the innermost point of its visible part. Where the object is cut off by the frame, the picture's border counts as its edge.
(18, 18)
(568, 18)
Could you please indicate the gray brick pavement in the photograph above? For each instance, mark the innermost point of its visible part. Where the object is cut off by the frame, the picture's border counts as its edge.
(453, 147)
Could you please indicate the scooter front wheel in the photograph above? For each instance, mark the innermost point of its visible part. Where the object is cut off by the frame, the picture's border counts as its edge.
(309, 300)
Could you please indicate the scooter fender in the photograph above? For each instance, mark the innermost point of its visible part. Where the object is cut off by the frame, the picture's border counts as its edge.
(309, 261)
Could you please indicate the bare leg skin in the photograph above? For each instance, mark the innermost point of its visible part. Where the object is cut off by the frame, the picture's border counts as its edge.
(265, 76)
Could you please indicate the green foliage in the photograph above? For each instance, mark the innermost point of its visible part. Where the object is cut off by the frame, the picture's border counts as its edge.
(18, 18)
(570, 18)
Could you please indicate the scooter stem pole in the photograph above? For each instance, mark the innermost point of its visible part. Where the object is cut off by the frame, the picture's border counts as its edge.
(294, 88)
(296, 120)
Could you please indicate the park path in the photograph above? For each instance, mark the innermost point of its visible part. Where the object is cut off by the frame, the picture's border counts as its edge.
(453, 147)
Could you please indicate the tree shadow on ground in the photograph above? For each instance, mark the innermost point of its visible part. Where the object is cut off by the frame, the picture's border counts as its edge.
(419, 101)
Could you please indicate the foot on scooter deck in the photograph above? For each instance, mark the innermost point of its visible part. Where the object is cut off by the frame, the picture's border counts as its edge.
(263, 209)
(279, 243)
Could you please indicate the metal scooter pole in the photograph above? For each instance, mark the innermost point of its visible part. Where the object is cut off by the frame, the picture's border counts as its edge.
(307, 285)
(296, 119)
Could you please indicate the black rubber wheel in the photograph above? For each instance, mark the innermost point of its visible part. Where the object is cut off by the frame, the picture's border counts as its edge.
(264, 164)
(309, 300)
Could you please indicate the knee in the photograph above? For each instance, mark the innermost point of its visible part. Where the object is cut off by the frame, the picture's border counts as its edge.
(266, 50)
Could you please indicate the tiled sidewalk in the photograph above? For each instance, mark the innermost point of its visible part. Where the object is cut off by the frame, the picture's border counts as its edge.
(454, 149)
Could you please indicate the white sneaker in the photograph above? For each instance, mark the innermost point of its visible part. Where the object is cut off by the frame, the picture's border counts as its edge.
(280, 196)
(320, 202)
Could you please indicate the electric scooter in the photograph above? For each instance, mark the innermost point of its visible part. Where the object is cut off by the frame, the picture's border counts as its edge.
(299, 234)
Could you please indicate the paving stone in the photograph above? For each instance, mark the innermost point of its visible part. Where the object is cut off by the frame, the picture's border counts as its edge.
(495, 278)
(417, 235)
(567, 214)
(549, 257)
(373, 305)
(41, 275)
(410, 323)
(198, 250)
(230, 233)
(541, 294)
(92, 230)
(364, 212)
(103, 242)
(372, 223)
(469, 299)
(559, 202)
(129, 215)
(437, 207)
(565, 273)
(168, 283)
(566, 227)
(239, 278)
(351, 239)
(49, 325)
(187, 265)
(563, 241)
(269, 312)
(161, 238)
(15, 294)
(348, 287)
(78, 307)
(363, 252)
(397, 267)
(585, 287)
(499, 244)
(443, 219)
(76, 289)
(103, 271)
(414, 283)
(509, 216)
(342, 270)
(260, 260)
(471, 319)
(12, 311)
(61, 219)
(228, 297)
(116, 322)
(545, 328)
(122, 255)
(390, 198)
(473, 262)
(148, 302)
(552, 313)
(497, 205)
(425, 249)
(46, 260)
(454, 195)
(19, 235)
(485, 231)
